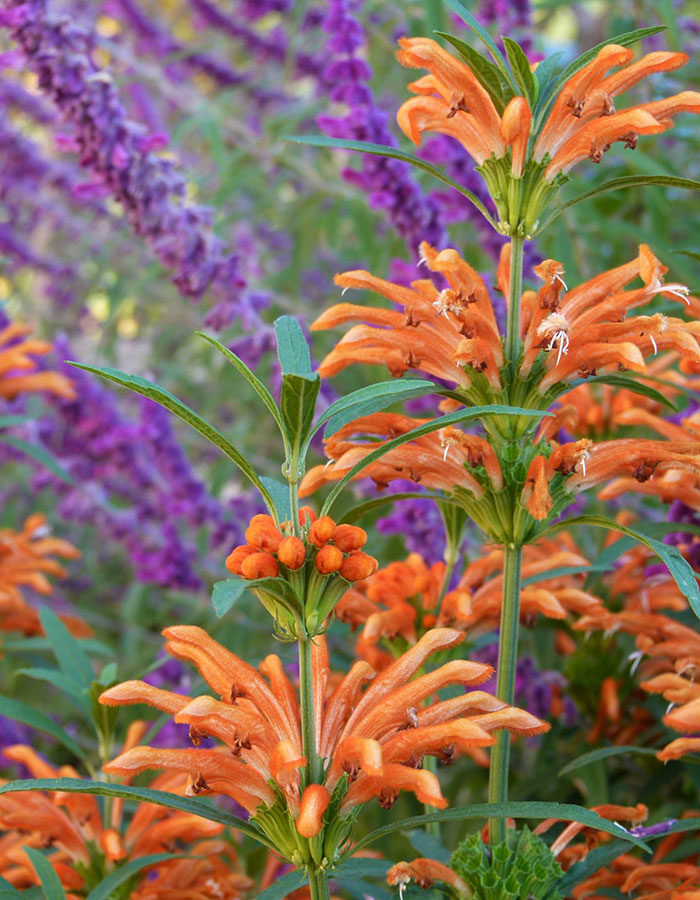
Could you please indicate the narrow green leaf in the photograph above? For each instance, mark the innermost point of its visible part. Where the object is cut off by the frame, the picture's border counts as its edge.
(569, 812)
(72, 659)
(371, 399)
(488, 75)
(603, 753)
(617, 184)
(27, 715)
(592, 862)
(298, 406)
(544, 73)
(226, 593)
(8, 891)
(50, 882)
(69, 686)
(562, 571)
(105, 889)
(38, 453)
(481, 32)
(428, 845)
(154, 392)
(461, 415)
(671, 556)
(626, 382)
(8, 422)
(129, 792)
(395, 153)
(249, 376)
(361, 509)
(520, 66)
(284, 886)
(292, 347)
(280, 494)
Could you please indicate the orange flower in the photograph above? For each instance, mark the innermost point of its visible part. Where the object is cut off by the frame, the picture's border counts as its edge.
(377, 736)
(86, 847)
(16, 356)
(26, 558)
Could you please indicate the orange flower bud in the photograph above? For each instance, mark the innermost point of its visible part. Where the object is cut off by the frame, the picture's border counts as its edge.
(264, 535)
(358, 566)
(263, 519)
(260, 565)
(314, 803)
(349, 537)
(306, 514)
(292, 553)
(112, 845)
(234, 560)
(329, 559)
(321, 531)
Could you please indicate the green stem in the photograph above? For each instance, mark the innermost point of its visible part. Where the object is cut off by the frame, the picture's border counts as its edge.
(294, 507)
(505, 683)
(318, 885)
(515, 291)
(308, 730)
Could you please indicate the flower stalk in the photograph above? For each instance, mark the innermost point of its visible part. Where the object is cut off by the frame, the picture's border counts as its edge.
(514, 294)
(505, 683)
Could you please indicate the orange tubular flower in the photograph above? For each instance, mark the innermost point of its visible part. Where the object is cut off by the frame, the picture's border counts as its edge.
(16, 356)
(86, 847)
(360, 732)
(26, 559)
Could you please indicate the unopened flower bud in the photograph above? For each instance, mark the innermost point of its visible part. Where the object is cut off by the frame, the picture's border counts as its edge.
(329, 559)
(314, 803)
(260, 565)
(349, 537)
(292, 553)
(321, 531)
(358, 566)
(306, 515)
(264, 535)
(234, 560)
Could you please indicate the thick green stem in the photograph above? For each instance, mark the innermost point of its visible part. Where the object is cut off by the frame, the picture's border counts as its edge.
(515, 291)
(505, 683)
(318, 885)
(308, 730)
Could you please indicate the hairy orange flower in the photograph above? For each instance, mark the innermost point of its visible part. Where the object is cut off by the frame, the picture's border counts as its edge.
(376, 735)
(18, 373)
(86, 847)
(26, 559)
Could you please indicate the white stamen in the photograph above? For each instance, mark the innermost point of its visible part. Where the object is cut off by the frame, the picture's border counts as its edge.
(563, 283)
(562, 339)
(583, 465)
(653, 343)
(329, 463)
(635, 658)
(444, 455)
(41, 531)
(402, 889)
(342, 293)
(678, 290)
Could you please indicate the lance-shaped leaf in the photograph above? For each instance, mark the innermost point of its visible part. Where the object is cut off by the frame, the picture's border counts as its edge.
(669, 555)
(39, 454)
(462, 415)
(50, 882)
(471, 22)
(292, 347)
(298, 405)
(568, 812)
(106, 888)
(147, 388)
(371, 399)
(71, 657)
(129, 792)
(617, 184)
(395, 153)
(226, 593)
(284, 886)
(27, 715)
(625, 382)
(520, 66)
(604, 753)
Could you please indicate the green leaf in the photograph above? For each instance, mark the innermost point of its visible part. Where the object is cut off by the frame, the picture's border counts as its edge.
(356, 512)
(371, 399)
(591, 863)
(298, 405)
(147, 388)
(280, 494)
(562, 571)
(671, 556)
(292, 347)
(249, 376)
(520, 66)
(69, 686)
(461, 415)
(481, 32)
(428, 845)
(8, 892)
(8, 422)
(603, 753)
(628, 383)
(395, 153)
(284, 886)
(616, 184)
(544, 73)
(38, 453)
(105, 889)
(27, 715)
(129, 792)
(72, 659)
(50, 882)
(569, 812)
(226, 593)
(488, 75)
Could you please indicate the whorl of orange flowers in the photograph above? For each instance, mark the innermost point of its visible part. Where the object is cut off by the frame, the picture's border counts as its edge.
(26, 559)
(374, 728)
(583, 121)
(18, 373)
(74, 827)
